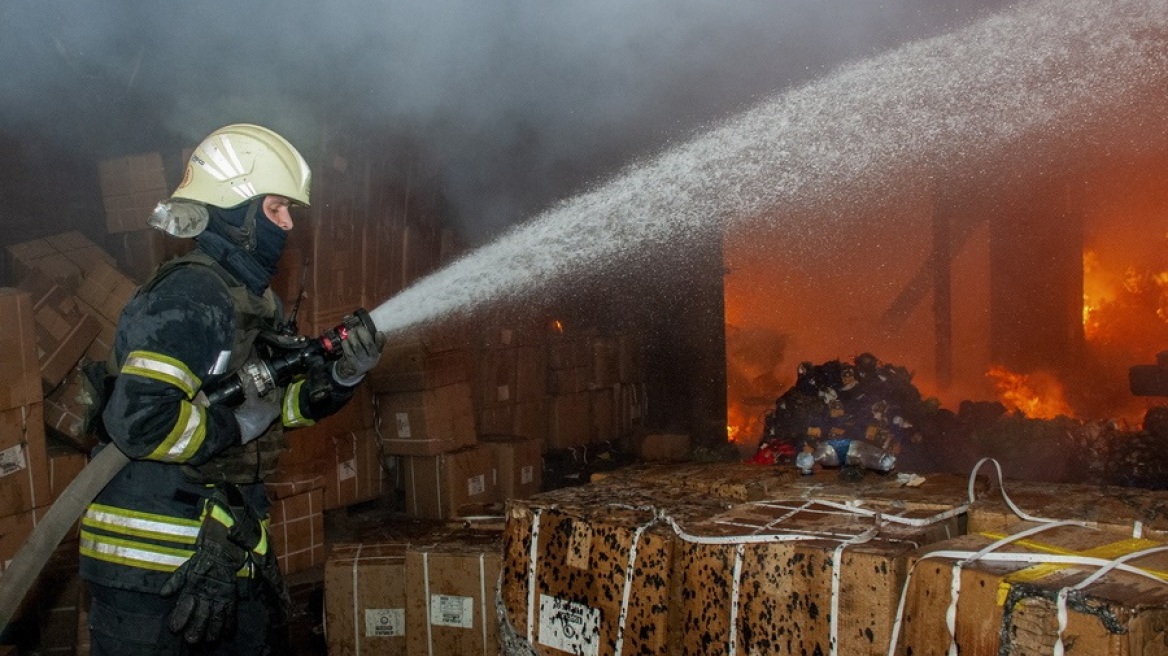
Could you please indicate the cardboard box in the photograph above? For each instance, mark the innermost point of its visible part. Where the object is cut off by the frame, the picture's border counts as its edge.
(495, 420)
(602, 413)
(131, 187)
(568, 564)
(106, 290)
(651, 447)
(428, 422)
(568, 352)
(14, 532)
(447, 485)
(24, 469)
(1008, 605)
(19, 368)
(354, 473)
(530, 420)
(64, 410)
(520, 465)
(412, 366)
(632, 407)
(365, 600)
(65, 463)
(143, 251)
(729, 481)
(531, 373)
(312, 444)
(291, 479)
(1126, 512)
(804, 574)
(298, 531)
(630, 359)
(562, 382)
(569, 421)
(605, 365)
(450, 594)
(496, 377)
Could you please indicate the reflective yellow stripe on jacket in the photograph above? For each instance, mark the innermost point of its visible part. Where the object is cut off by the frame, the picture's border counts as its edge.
(190, 428)
(292, 416)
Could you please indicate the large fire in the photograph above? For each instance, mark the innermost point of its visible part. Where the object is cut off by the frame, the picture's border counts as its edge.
(1038, 395)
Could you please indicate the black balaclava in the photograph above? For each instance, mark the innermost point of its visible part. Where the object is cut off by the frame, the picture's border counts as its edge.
(245, 242)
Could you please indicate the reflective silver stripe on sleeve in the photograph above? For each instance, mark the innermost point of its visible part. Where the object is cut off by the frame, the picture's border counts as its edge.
(123, 553)
(159, 369)
(220, 365)
(194, 428)
(142, 525)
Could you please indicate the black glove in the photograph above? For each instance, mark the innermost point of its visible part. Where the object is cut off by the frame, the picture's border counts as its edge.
(205, 610)
(256, 413)
(360, 353)
(268, 569)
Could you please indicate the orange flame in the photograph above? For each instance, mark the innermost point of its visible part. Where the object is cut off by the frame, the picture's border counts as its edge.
(1038, 395)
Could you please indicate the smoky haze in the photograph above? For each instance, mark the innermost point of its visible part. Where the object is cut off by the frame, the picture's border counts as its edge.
(508, 106)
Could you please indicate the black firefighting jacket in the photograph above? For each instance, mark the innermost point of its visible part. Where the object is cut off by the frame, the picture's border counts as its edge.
(189, 327)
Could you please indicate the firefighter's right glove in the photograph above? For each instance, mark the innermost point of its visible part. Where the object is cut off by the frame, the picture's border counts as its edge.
(256, 413)
(360, 353)
(206, 583)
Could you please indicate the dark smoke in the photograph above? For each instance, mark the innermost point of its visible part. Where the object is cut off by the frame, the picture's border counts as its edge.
(508, 105)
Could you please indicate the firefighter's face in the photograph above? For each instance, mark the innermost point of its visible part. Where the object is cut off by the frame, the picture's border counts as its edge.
(277, 209)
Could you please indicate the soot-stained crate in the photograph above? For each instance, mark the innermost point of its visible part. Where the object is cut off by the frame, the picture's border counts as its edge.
(798, 577)
(1122, 511)
(586, 570)
(1039, 589)
(731, 481)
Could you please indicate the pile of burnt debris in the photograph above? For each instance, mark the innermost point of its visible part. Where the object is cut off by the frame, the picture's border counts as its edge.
(865, 417)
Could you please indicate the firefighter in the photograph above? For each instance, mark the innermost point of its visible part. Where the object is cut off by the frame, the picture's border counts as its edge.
(176, 549)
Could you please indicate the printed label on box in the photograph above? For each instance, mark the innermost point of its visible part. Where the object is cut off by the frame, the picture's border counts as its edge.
(526, 475)
(446, 610)
(403, 424)
(347, 469)
(476, 485)
(385, 622)
(568, 626)
(12, 460)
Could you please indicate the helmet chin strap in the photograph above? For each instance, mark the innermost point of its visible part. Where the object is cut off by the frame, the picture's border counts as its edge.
(244, 236)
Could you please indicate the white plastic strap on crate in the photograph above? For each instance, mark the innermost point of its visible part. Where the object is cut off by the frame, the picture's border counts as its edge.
(357, 619)
(1059, 649)
(533, 560)
(427, 602)
(626, 594)
(739, 552)
(989, 555)
(837, 583)
(1005, 497)
(483, 598)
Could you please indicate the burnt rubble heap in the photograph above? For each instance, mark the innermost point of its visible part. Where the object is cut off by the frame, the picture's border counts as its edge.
(837, 406)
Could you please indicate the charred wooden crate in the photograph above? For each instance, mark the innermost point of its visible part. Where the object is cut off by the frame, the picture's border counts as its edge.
(1037, 589)
(1118, 510)
(798, 576)
(586, 569)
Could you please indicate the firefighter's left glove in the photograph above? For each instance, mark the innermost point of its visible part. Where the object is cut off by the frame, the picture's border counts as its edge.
(206, 583)
(256, 413)
(359, 353)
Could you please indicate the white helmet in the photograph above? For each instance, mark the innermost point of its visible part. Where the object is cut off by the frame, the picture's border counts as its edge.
(233, 165)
